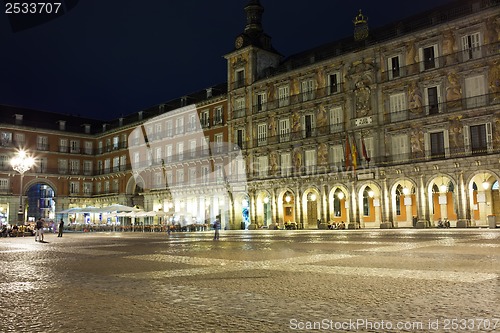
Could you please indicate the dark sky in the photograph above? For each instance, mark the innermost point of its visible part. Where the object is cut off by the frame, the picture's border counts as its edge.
(106, 58)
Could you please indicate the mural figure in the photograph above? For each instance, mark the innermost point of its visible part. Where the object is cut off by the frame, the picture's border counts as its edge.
(496, 131)
(273, 163)
(362, 94)
(417, 143)
(296, 125)
(297, 159)
(494, 84)
(415, 98)
(322, 154)
(456, 135)
(411, 58)
(449, 50)
(322, 119)
(453, 91)
(272, 127)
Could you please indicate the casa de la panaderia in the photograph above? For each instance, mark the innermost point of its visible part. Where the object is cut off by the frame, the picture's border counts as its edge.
(390, 127)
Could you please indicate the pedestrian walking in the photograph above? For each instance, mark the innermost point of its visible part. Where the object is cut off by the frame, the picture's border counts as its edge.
(60, 228)
(216, 228)
(39, 230)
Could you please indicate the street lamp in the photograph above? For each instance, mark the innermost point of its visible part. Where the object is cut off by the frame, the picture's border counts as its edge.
(21, 163)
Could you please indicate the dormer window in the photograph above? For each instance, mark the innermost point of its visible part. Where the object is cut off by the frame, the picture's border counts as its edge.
(18, 119)
(62, 125)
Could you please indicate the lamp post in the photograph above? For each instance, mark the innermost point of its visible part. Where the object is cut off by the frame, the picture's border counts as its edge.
(21, 163)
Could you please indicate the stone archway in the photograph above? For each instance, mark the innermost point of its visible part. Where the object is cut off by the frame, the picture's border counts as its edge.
(484, 198)
(404, 204)
(311, 208)
(442, 200)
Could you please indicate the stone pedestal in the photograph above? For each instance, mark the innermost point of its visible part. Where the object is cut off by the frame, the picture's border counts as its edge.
(323, 226)
(353, 225)
(253, 226)
(462, 224)
(422, 224)
(492, 221)
(386, 225)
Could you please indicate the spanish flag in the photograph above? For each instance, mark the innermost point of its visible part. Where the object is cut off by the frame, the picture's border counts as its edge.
(348, 156)
(354, 156)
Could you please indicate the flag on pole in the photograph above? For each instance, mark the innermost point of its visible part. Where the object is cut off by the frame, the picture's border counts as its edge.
(348, 156)
(354, 155)
(363, 151)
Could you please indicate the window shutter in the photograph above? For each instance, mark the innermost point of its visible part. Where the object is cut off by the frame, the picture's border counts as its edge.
(489, 137)
(467, 139)
(427, 144)
(446, 141)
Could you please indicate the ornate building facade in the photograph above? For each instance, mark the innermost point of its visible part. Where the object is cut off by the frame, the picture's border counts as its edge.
(393, 127)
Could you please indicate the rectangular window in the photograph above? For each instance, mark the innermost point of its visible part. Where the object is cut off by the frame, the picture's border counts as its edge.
(308, 126)
(4, 162)
(88, 147)
(479, 138)
(205, 144)
(310, 162)
(400, 148)
(284, 129)
(433, 100)
(116, 164)
(218, 143)
(74, 146)
(333, 83)
(42, 143)
(74, 187)
(74, 167)
(169, 125)
(398, 107)
(6, 138)
(4, 184)
(262, 134)
(239, 107)
(87, 188)
(41, 165)
(107, 165)
(87, 168)
(205, 172)
(116, 142)
(116, 186)
(475, 92)
(336, 120)
(168, 153)
(179, 129)
(20, 139)
(393, 67)
(219, 174)
(218, 115)
(180, 151)
(240, 78)
(429, 56)
(471, 46)
(63, 145)
(307, 89)
(205, 119)
(123, 162)
(106, 186)
(261, 102)
(437, 145)
(158, 155)
(263, 163)
(283, 96)
(192, 147)
(180, 176)
(192, 176)
(337, 157)
(286, 164)
(240, 137)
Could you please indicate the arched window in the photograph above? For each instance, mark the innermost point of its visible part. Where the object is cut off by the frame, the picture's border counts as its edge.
(366, 201)
(399, 193)
(337, 200)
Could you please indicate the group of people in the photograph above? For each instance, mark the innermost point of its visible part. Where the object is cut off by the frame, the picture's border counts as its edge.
(37, 230)
(445, 224)
(336, 226)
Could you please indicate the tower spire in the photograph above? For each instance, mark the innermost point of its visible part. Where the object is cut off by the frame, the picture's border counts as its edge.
(254, 12)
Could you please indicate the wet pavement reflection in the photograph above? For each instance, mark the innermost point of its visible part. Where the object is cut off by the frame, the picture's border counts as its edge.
(248, 281)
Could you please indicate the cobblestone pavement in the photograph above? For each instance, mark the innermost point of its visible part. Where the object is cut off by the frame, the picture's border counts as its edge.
(256, 281)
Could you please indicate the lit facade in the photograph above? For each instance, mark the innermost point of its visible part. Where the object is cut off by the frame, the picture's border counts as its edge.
(395, 127)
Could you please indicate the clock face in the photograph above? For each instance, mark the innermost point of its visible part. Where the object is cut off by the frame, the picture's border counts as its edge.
(239, 42)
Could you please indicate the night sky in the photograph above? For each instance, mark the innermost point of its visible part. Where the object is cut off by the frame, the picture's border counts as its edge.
(106, 58)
